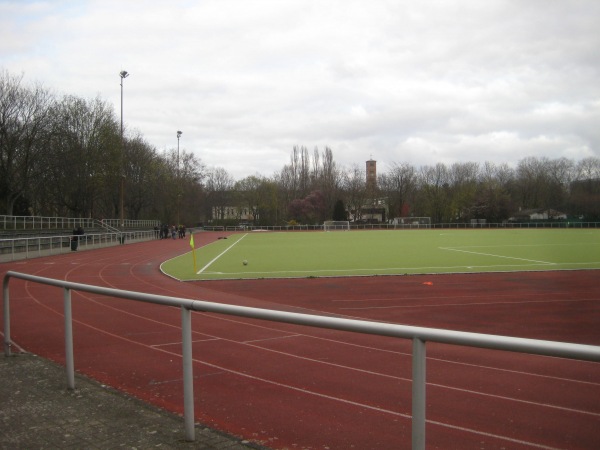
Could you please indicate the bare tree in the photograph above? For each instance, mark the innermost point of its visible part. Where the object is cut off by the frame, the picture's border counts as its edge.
(584, 200)
(463, 179)
(24, 114)
(219, 188)
(398, 187)
(355, 189)
(85, 161)
(588, 169)
(434, 193)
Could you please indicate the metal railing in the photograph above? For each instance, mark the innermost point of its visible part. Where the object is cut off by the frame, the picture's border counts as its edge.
(43, 223)
(33, 247)
(389, 226)
(50, 223)
(418, 335)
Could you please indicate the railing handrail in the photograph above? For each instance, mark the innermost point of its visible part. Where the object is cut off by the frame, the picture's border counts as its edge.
(419, 336)
(53, 222)
(25, 247)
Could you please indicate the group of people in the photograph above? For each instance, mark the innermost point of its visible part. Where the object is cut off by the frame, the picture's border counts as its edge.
(165, 231)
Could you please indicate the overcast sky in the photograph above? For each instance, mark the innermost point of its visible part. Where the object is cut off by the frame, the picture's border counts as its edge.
(397, 81)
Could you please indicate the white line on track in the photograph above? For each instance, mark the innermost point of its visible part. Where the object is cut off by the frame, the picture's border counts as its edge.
(167, 344)
(394, 352)
(469, 304)
(408, 380)
(366, 406)
(316, 393)
(308, 392)
(272, 339)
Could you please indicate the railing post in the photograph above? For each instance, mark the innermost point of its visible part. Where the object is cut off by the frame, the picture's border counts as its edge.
(69, 360)
(188, 374)
(418, 394)
(6, 309)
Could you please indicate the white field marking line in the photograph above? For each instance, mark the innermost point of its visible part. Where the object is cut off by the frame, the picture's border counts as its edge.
(408, 380)
(386, 269)
(305, 358)
(304, 335)
(496, 256)
(483, 433)
(312, 392)
(365, 406)
(437, 297)
(228, 319)
(221, 254)
(447, 361)
(270, 339)
(296, 356)
(468, 304)
(407, 416)
(104, 305)
(167, 344)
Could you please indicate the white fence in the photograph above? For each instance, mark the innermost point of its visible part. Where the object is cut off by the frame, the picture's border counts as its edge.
(410, 226)
(419, 336)
(54, 223)
(33, 247)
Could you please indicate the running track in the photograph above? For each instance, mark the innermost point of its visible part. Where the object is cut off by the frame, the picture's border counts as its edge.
(287, 386)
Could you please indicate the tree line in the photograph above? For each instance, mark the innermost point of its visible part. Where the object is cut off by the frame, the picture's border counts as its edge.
(65, 156)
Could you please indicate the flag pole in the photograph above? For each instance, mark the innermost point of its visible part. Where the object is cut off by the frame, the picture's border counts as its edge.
(193, 251)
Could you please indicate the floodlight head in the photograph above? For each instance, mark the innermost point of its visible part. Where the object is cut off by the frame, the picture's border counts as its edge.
(123, 74)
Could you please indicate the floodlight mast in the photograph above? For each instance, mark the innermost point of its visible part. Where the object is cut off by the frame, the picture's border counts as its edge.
(123, 74)
(179, 133)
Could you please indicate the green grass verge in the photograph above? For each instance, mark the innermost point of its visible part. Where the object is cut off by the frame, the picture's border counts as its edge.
(394, 252)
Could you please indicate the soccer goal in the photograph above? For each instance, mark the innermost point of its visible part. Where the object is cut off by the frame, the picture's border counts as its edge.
(412, 222)
(336, 225)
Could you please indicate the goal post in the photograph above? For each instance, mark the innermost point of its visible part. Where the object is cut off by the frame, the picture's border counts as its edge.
(412, 222)
(336, 225)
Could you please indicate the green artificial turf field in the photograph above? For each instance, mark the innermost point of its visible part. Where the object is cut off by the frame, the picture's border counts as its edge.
(394, 252)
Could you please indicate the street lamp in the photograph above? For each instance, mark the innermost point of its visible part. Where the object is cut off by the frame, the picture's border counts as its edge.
(123, 74)
(179, 133)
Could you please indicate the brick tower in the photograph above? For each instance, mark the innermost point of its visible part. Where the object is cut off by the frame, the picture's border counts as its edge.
(371, 175)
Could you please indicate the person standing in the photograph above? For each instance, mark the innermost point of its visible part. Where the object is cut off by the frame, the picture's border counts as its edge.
(74, 240)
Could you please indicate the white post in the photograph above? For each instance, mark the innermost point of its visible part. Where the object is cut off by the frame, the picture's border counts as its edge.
(6, 317)
(188, 374)
(69, 360)
(418, 394)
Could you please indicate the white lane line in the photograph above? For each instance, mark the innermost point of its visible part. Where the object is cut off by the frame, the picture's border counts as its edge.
(496, 256)
(364, 405)
(442, 305)
(322, 395)
(167, 344)
(271, 339)
(394, 352)
(221, 254)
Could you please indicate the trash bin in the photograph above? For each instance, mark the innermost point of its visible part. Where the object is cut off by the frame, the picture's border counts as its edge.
(74, 243)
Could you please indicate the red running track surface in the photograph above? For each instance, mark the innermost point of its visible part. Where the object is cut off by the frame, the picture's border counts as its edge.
(287, 386)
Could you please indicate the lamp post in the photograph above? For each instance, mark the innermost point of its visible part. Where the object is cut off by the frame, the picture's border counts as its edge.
(123, 74)
(179, 133)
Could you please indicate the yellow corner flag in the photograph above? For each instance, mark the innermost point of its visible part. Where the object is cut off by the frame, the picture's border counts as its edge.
(193, 251)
